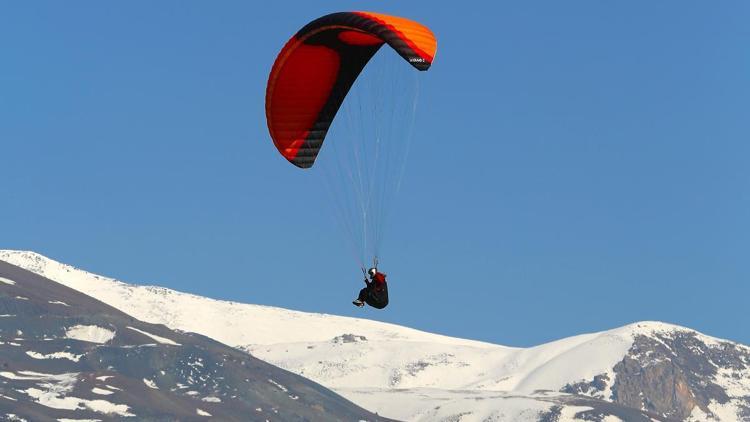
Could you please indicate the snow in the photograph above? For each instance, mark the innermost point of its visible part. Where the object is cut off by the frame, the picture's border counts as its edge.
(57, 302)
(430, 365)
(718, 412)
(211, 399)
(78, 420)
(56, 355)
(54, 390)
(7, 281)
(724, 412)
(399, 372)
(428, 405)
(733, 381)
(101, 391)
(158, 339)
(551, 366)
(697, 415)
(90, 333)
(569, 413)
(107, 408)
(202, 412)
(279, 386)
(228, 322)
(150, 384)
(54, 397)
(28, 375)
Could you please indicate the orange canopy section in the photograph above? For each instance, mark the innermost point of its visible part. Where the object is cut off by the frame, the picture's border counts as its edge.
(317, 67)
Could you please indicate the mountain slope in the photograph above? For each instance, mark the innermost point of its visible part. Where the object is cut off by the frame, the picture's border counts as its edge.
(229, 322)
(64, 354)
(644, 371)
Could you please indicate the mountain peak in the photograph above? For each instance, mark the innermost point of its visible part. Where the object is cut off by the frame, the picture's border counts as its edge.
(647, 370)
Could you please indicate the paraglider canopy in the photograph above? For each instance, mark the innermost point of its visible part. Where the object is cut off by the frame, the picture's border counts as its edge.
(318, 65)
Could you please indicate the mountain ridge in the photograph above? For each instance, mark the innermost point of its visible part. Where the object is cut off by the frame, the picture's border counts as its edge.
(66, 356)
(414, 375)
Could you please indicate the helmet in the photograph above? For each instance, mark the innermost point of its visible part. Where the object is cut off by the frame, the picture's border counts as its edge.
(372, 271)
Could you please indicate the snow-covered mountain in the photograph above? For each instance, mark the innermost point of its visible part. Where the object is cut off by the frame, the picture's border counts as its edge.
(65, 356)
(644, 371)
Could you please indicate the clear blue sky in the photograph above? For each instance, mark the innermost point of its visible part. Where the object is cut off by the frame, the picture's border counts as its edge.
(582, 165)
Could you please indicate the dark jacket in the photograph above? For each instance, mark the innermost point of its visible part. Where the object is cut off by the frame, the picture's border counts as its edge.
(376, 292)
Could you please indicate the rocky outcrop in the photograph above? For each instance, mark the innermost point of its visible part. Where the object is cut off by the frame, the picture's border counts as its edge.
(677, 374)
(673, 373)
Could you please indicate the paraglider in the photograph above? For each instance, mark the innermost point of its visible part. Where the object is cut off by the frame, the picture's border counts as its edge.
(375, 293)
(310, 81)
(318, 65)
